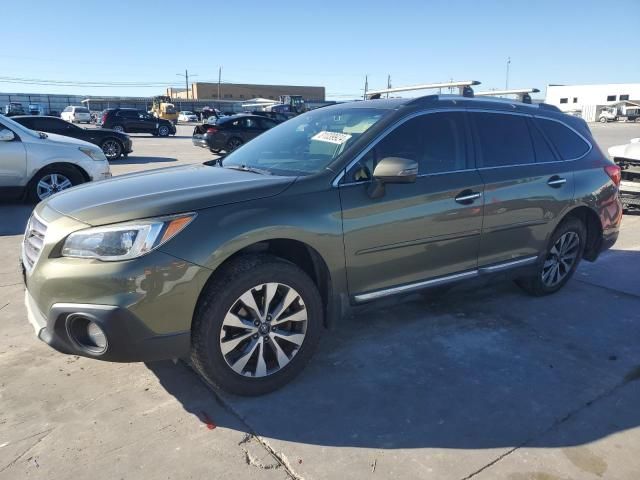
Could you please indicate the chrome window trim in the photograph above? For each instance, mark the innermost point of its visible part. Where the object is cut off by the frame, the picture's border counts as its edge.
(336, 180)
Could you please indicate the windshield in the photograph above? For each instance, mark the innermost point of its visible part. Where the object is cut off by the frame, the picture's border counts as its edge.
(305, 144)
(15, 126)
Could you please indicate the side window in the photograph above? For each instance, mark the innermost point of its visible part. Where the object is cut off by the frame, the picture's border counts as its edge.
(540, 145)
(267, 123)
(435, 141)
(568, 144)
(503, 139)
(68, 109)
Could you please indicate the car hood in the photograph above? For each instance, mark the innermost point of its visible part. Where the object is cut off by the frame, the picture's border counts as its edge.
(630, 150)
(163, 191)
(54, 137)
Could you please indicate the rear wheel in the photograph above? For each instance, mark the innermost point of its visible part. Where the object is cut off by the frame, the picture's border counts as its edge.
(163, 131)
(52, 180)
(561, 259)
(256, 326)
(118, 128)
(233, 143)
(112, 148)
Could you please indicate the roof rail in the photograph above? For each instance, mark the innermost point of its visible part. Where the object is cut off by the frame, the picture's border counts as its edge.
(521, 93)
(464, 88)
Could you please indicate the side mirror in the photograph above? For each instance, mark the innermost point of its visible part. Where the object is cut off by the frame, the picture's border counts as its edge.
(6, 135)
(392, 170)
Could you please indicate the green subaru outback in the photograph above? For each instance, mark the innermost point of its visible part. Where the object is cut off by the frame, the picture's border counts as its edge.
(241, 264)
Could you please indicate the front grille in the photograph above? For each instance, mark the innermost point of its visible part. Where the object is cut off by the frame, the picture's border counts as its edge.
(33, 241)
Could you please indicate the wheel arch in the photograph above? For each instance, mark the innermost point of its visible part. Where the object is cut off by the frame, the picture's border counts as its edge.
(591, 220)
(53, 165)
(301, 254)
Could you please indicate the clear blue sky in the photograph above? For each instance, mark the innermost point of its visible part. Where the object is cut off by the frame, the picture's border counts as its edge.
(325, 42)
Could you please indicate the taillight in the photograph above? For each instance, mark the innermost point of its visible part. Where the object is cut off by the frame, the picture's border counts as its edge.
(212, 130)
(104, 118)
(614, 173)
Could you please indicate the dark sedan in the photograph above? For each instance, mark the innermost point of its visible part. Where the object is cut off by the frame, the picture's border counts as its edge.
(229, 133)
(114, 144)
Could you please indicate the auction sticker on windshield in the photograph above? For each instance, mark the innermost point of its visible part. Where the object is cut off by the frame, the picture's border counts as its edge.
(331, 137)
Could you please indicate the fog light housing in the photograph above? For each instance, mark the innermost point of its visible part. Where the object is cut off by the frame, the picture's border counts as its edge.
(86, 334)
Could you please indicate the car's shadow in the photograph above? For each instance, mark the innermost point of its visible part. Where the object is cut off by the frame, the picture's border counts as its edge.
(480, 367)
(13, 217)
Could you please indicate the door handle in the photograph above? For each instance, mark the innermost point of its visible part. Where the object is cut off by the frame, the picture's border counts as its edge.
(556, 181)
(467, 197)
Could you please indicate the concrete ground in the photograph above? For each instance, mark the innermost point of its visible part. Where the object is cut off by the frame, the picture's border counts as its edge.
(484, 382)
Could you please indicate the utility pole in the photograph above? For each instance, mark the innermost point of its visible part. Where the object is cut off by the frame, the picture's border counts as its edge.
(186, 80)
(219, 80)
(388, 84)
(366, 86)
(506, 85)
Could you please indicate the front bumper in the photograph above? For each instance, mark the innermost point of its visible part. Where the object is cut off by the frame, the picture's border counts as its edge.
(129, 340)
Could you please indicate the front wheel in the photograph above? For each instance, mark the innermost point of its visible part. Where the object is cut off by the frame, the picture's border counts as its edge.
(233, 144)
(256, 326)
(112, 149)
(561, 259)
(53, 180)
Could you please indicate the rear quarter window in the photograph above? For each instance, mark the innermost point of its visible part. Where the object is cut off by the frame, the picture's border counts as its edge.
(568, 143)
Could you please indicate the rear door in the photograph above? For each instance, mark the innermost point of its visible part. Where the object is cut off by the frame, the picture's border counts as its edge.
(418, 231)
(526, 186)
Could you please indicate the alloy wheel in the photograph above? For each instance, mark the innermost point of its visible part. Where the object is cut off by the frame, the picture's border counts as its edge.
(560, 259)
(263, 330)
(111, 149)
(52, 183)
(118, 128)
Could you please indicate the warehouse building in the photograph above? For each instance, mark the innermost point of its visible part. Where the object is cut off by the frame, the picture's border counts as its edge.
(245, 91)
(590, 100)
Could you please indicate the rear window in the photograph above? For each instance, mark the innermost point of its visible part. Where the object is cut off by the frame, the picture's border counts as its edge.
(504, 139)
(82, 110)
(568, 143)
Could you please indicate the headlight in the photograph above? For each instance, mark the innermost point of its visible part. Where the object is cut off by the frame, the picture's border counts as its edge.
(125, 240)
(93, 154)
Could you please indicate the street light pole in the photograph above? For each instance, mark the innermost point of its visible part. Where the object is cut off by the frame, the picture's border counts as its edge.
(186, 80)
(506, 86)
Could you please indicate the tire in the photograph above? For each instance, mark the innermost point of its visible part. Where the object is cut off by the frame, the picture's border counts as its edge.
(233, 143)
(65, 177)
(637, 120)
(545, 281)
(163, 131)
(215, 151)
(223, 296)
(603, 120)
(112, 148)
(118, 128)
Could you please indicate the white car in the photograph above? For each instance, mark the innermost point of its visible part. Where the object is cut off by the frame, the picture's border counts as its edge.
(35, 165)
(627, 157)
(187, 116)
(76, 114)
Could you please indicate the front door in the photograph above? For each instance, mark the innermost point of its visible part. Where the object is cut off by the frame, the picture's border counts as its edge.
(526, 187)
(13, 162)
(419, 231)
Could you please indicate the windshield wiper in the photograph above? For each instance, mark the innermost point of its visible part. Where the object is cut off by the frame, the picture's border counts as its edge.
(244, 168)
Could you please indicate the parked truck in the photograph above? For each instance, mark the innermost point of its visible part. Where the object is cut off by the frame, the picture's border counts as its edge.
(13, 108)
(616, 113)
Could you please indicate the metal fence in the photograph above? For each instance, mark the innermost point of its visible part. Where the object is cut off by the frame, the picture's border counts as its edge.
(54, 104)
